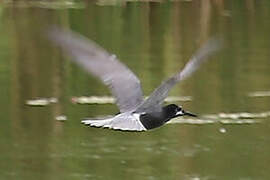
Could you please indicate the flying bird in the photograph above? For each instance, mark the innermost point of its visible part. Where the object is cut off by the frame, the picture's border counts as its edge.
(136, 114)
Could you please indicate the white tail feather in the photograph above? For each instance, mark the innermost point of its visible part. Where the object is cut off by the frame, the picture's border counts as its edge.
(98, 123)
(125, 122)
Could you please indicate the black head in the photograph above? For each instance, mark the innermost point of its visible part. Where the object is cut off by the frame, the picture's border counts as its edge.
(172, 111)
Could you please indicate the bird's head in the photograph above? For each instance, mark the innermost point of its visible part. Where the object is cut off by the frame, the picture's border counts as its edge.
(172, 111)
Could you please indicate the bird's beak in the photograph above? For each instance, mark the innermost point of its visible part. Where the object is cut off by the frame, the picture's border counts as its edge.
(186, 113)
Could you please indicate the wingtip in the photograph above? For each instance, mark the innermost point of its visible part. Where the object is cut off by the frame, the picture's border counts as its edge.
(53, 31)
(214, 44)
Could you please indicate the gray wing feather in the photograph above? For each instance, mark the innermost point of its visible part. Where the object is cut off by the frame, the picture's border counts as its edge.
(155, 100)
(123, 83)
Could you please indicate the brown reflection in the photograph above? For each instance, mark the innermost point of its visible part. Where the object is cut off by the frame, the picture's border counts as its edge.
(250, 5)
(34, 74)
(205, 19)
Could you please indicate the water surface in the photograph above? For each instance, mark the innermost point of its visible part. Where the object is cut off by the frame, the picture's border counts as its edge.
(155, 40)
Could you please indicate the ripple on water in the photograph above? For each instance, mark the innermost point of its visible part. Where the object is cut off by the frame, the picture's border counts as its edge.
(224, 118)
(66, 4)
(82, 175)
(111, 100)
(259, 94)
(44, 101)
(197, 177)
(41, 101)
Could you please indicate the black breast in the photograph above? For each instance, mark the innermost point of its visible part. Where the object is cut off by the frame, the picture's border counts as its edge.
(150, 121)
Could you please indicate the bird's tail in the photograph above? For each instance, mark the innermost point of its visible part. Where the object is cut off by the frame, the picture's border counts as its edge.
(98, 123)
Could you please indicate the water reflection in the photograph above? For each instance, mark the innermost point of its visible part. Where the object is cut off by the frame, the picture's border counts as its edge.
(155, 39)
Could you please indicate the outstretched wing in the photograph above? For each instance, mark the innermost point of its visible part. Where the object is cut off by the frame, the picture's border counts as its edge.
(123, 83)
(155, 100)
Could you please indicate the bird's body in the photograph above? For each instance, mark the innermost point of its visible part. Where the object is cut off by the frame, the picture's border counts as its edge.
(156, 119)
(136, 114)
(138, 121)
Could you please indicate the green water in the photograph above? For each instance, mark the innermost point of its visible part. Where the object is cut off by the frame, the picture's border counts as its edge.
(155, 40)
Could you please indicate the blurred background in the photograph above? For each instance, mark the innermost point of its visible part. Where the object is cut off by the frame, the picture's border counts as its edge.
(154, 39)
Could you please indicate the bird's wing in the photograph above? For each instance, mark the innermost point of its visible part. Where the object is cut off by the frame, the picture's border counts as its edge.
(123, 83)
(155, 100)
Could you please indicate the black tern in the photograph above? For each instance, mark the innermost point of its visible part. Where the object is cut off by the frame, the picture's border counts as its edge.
(136, 114)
